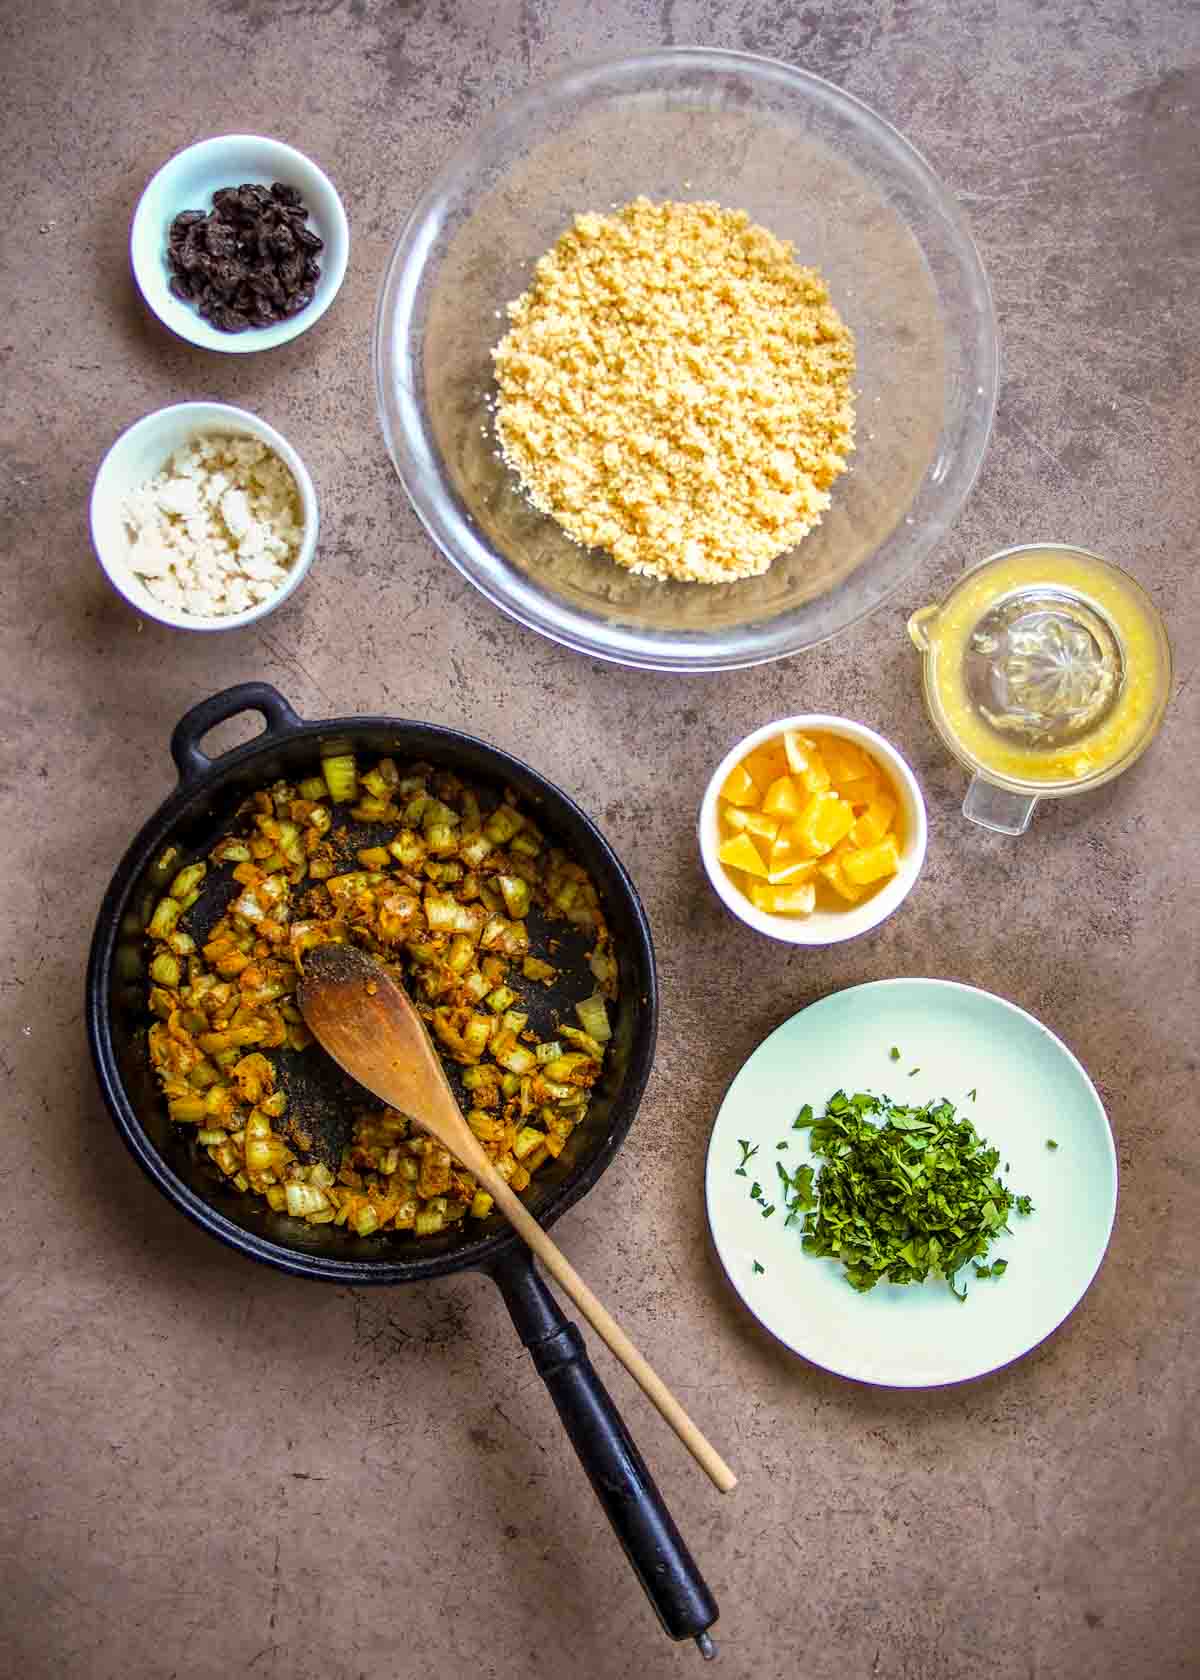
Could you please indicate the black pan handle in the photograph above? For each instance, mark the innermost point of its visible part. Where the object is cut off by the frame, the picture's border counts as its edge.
(614, 1466)
(193, 726)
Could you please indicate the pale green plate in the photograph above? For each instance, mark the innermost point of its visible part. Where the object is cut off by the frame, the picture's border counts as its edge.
(1029, 1088)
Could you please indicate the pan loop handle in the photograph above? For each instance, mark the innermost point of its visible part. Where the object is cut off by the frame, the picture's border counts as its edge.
(193, 763)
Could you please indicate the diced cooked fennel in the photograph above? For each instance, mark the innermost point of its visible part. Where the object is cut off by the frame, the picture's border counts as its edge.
(593, 1018)
(445, 897)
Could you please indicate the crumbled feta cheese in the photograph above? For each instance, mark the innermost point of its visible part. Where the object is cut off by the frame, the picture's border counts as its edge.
(179, 495)
(235, 510)
(259, 566)
(218, 529)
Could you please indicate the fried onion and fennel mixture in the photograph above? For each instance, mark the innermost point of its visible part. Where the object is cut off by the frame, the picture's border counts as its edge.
(445, 900)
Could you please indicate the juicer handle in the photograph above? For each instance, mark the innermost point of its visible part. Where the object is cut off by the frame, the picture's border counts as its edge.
(614, 1466)
(996, 808)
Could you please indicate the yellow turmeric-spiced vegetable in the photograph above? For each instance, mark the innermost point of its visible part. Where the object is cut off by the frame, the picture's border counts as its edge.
(442, 894)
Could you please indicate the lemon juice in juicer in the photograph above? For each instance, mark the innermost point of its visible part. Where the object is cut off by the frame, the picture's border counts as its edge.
(1046, 673)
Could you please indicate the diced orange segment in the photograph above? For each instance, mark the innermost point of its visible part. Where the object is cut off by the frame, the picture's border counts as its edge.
(766, 764)
(783, 798)
(861, 792)
(872, 863)
(785, 851)
(740, 852)
(824, 821)
(796, 869)
(739, 787)
(798, 750)
(875, 822)
(831, 870)
(805, 761)
(798, 834)
(834, 822)
(794, 872)
(845, 761)
(739, 818)
(795, 900)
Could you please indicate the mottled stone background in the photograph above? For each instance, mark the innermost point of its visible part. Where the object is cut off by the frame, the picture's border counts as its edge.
(211, 1470)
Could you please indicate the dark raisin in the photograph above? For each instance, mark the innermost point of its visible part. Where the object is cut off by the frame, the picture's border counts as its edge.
(309, 240)
(179, 227)
(299, 300)
(180, 288)
(220, 239)
(285, 194)
(312, 270)
(227, 276)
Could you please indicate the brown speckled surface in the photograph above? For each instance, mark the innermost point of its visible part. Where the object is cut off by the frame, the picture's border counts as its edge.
(211, 1470)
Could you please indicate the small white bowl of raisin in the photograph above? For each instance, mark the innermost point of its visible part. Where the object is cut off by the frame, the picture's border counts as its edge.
(239, 243)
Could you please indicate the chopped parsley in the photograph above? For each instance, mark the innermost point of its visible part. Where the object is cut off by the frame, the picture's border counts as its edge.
(757, 1268)
(1051, 1143)
(804, 1118)
(747, 1152)
(973, 1093)
(903, 1192)
(768, 1210)
(756, 1194)
(911, 1071)
(894, 1052)
(800, 1188)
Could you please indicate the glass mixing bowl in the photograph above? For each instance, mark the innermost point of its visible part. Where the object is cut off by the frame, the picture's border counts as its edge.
(811, 164)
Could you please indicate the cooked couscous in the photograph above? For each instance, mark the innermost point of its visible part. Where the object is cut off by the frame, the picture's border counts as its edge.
(675, 388)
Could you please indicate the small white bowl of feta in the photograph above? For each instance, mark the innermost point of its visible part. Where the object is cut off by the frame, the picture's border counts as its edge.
(203, 516)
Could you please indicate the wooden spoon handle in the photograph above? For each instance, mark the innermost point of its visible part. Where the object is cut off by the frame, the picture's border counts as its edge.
(603, 1323)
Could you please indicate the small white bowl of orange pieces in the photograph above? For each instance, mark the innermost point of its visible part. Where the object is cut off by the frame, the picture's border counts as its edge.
(813, 829)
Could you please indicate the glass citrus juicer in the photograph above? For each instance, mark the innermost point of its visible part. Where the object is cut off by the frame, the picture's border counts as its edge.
(1046, 673)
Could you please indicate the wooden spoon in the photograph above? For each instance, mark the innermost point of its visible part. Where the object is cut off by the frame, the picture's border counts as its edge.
(366, 1021)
